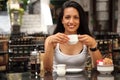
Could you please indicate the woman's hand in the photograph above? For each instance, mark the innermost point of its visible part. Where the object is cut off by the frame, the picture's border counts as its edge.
(59, 38)
(87, 40)
(91, 43)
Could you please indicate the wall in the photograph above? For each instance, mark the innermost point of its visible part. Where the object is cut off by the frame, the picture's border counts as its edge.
(46, 18)
(118, 23)
(4, 22)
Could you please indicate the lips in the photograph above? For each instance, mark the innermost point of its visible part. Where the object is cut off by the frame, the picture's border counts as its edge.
(71, 27)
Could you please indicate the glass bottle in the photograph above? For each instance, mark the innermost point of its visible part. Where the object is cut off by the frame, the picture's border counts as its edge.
(35, 62)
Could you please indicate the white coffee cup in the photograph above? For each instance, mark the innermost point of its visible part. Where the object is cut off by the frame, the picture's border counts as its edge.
(61, 69)
(73, 38)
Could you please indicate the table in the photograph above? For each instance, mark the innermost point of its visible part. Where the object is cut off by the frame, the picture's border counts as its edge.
(85, 75)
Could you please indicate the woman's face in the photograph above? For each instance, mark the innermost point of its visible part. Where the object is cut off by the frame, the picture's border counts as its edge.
(71, 20)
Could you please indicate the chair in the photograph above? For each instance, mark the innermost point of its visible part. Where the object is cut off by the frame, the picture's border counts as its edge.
(3, 61)
(3, 55)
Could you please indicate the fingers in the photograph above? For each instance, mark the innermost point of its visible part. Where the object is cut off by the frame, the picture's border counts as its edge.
(84, 39)
(60, 38)
(87, 40)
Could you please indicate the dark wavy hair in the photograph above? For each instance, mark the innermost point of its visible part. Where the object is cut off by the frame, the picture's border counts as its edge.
(83, 27)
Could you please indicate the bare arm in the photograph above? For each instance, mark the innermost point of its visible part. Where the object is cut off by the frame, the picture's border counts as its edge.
(91, 43)
(50, 44)
(48, 56)
(95, 55)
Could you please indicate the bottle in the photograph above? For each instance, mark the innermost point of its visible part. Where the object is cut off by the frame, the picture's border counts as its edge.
(42, 71)
(35, 62)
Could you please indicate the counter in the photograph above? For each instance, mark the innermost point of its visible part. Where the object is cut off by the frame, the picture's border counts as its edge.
(84, 75)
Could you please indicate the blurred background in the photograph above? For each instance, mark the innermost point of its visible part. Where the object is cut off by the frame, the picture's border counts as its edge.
(25, 24)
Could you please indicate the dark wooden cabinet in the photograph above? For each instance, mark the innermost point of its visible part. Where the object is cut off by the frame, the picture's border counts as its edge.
(3, 54)
(104, 15)
(19, 52)
(3, 6)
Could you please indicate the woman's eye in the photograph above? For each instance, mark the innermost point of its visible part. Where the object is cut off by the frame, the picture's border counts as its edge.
(76, 17)
(67, 17)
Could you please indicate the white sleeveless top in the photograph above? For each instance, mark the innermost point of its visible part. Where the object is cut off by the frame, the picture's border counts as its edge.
(71, 61)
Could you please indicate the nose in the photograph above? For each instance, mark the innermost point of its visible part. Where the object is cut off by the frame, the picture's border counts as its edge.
(71, 20)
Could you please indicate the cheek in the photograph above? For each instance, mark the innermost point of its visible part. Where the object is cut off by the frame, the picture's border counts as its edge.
(78, 23)
(63, 21)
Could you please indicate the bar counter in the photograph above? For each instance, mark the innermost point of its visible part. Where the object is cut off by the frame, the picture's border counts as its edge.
(84, 75)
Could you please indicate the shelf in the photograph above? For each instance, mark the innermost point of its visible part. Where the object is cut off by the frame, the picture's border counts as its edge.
(26, 45)
(104, 6)
(103, 15)
(19, 59)
(116, 49)
(101, 0)
(3, 52)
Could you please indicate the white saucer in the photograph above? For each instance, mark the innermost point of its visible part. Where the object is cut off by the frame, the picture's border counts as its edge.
(74, 70)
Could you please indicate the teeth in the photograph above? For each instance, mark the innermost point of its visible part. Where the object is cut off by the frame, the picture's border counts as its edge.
(71, 26)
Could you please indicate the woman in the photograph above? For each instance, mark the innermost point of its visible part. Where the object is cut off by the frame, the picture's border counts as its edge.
(71, 20)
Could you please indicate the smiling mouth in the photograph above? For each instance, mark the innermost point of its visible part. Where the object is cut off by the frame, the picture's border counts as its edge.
(71, 27)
